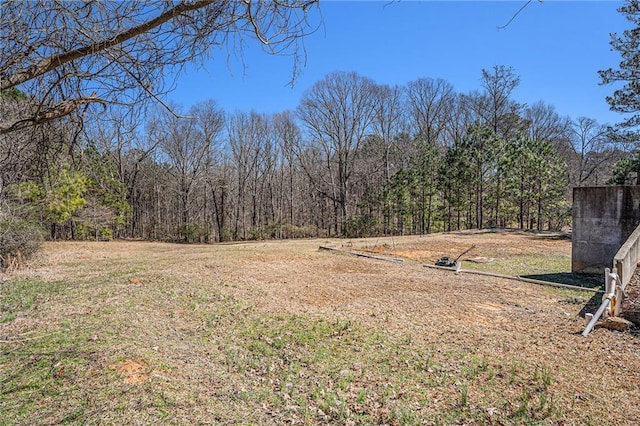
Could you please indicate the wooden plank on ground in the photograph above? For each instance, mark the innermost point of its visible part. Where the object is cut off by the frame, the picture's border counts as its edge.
(360, 254)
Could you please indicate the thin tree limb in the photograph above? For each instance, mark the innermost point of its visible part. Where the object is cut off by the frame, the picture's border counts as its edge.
(515, 15)
(59, 110)
(52, 62)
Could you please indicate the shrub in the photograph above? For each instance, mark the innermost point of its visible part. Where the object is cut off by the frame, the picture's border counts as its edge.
(19, 240)
(193, 233)
(106, 233)
(293, 231)
(361, 227)
(87, 231)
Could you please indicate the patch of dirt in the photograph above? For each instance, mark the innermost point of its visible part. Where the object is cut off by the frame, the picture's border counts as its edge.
(488, 244)
(480, 259)
(133, 370)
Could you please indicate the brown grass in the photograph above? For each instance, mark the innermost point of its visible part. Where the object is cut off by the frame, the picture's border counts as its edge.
(281, 333)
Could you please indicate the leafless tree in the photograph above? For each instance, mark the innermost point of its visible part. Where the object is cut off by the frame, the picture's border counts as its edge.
(189, 146)
(429, 103)
(591, 144)
(68, 55)
(17, 152)
(247, 133)
(495, 103)
(288, 137)
(458, 120)
(337, 113)
(31, 153)
(219, 182)
(388, 120)
(131, 145)
(545, 123)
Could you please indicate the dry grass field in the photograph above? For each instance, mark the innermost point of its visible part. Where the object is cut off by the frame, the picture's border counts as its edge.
(283, 333)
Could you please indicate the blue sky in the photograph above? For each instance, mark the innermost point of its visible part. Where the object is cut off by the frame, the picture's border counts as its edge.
(556, 47)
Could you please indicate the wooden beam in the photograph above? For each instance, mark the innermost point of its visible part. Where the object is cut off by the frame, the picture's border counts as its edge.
(360, 254)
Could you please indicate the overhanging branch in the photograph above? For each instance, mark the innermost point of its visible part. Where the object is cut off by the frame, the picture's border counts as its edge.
(52, 62)
(59, 110)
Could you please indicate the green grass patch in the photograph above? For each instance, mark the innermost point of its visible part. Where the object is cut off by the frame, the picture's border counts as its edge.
(339, 371)
(525, 264)
(42, 378)
(17, 297)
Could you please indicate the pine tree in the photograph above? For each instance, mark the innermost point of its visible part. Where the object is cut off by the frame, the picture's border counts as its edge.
(627, 98)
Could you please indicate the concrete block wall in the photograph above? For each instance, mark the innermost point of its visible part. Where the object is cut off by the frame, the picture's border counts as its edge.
(603, 219)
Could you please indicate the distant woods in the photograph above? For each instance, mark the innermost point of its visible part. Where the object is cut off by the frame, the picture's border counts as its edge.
(356, 158)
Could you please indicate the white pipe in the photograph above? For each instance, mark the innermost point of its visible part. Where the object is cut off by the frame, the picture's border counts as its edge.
(605, 302)
(559, 285)
(588, 316)
(512, 277)
(610, 288)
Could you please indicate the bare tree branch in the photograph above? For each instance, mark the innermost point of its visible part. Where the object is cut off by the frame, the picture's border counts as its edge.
(57, 111)
(502, 27)
(52, 62)
(123, 51)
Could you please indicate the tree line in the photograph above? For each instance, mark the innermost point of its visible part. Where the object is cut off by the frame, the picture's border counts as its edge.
(355, 158)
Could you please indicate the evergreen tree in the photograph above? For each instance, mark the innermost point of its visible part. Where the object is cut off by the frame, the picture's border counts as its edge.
(58, 200)
(627, 98)
(427, 160)
(536, 179)
(107, 210)
(455, 181)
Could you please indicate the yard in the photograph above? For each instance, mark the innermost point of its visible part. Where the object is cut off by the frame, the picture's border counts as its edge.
(280, 332)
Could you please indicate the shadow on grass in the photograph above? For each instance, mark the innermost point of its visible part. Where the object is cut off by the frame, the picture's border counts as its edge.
(592, 305)
(592, 281)
(553, 237)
